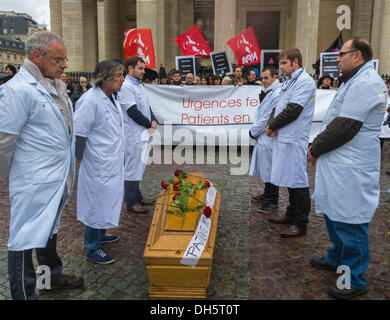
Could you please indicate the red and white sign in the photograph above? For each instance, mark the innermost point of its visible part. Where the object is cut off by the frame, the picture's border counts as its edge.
(192, 43)
(139, 42)
(246, 48)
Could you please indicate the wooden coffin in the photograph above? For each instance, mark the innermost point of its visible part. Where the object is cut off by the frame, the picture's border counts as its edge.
(168, 239)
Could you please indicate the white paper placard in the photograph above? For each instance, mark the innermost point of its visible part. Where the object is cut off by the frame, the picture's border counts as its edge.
(199, 240)
(198, 243)
(211, 193)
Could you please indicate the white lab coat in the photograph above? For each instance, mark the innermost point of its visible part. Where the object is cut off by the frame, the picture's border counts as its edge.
(137, 138)
(289, 158)
(261, 164)
(44, 152)
(101, 175)
(347, 179)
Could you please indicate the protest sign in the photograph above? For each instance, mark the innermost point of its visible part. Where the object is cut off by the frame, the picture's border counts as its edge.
(221, 63)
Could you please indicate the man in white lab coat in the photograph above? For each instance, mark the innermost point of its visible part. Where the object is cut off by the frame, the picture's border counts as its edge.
(139, 122)
(261, 164)
(100, 146)
(347, 156)
(37, 158)
(290, 128)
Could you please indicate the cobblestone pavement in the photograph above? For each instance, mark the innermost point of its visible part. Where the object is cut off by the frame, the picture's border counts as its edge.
(250, 262)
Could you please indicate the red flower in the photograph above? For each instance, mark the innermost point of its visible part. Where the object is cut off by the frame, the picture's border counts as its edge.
(164, 185)
(207, 212)
(207, 184)
(176, 186)
(176, 195)
(177, 173)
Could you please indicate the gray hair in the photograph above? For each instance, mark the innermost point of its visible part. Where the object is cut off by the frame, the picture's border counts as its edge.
(105, 71)
(41, 40)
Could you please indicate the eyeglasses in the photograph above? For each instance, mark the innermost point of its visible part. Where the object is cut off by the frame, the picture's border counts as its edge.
(57, 60)
(341, 54)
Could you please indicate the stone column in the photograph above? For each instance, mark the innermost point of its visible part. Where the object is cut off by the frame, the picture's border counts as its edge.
(308, 12)
(56, 17)
(128, 18)
(90, 35)
(172, 29)
(376, 30)
(112, 38)
(362, 16)
(186, 15)
(384, 59)
(72, 17)
(148, 18)
(101, 30)
(225, 25)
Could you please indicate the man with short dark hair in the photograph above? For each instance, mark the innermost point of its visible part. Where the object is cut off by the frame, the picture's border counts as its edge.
(347, 156)
(176, 77)
(289, 125)
(238, 80)
(9, 68)
(261, 164)
(251, 79)
(139, 124)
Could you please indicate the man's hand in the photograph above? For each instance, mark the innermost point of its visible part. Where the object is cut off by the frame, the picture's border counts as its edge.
(312, 161)
(271, 133)
(154, 125)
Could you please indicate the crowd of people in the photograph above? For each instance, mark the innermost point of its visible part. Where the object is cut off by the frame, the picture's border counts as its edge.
(46, 123)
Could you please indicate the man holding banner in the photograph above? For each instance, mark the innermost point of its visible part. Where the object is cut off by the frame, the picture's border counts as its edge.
(289, 125)
(261, 163)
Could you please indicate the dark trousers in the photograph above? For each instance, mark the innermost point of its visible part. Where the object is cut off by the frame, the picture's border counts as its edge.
(299, 209)
(271, 192)
(21, 271)
(133, 194)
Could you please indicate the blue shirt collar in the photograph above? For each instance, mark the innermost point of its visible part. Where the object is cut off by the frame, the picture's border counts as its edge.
(134, 80)
(296, 73)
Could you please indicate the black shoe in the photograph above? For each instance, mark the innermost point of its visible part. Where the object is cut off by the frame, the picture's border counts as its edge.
(322, 263)
(137, 209)
(346, 294)
(269, 207)
(293, 232)
(281, 220)
(67, 282)
(260, 198)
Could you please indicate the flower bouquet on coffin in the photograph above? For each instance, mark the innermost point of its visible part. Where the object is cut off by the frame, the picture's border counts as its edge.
(185, 196)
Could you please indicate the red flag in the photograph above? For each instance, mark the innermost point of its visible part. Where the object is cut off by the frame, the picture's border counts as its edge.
(192, 43)
(246, 48)
(139, 42)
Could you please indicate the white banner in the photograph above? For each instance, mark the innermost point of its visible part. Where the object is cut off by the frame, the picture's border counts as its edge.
(216, 115)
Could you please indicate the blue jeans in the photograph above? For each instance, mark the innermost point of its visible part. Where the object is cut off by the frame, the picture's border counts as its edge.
(350, 248)
(93, 239)
(133, 194)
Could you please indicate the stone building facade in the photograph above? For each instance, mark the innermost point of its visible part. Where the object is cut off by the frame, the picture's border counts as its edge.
(93, 29)
(12, 51)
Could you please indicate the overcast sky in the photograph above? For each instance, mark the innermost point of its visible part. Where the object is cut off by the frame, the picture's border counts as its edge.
(38, 9)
